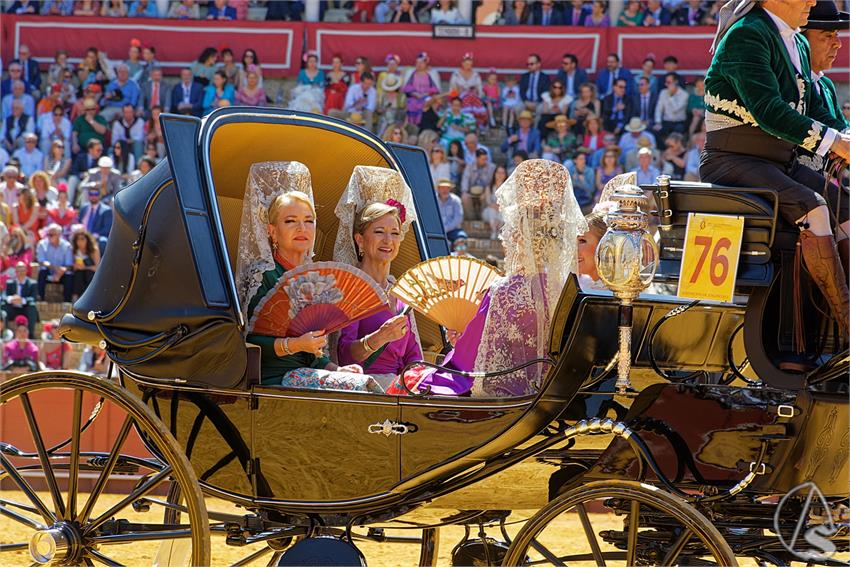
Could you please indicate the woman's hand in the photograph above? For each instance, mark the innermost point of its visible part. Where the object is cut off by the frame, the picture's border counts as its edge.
(393, 329)
(313, 342)
(452, 336)
(354, 368)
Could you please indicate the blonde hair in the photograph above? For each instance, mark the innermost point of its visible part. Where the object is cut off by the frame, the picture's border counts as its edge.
(40, 174)
(373, 212)
(596, 223)
(287, 198)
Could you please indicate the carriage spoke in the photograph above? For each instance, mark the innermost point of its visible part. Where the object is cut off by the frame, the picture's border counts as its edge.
(137, 493)
(13, 546)
(107, 470)
(544, 551)
(26, 489)
(678, 546)
(274, 559)
(591, 535)
(74, 463)
(253, 557)
(20, 518)
(634, 524)
(101, 558)
(49, 476)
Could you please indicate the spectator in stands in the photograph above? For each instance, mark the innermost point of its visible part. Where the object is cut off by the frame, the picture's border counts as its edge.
(16, 73)
(647, 70)
(447, 12)
(219, 93)
(82, 164)
(576, 14)
(617, 108)
(671, 112)
(205, 67)
(609, 141)
(52, 99)
(97, 67)
(457, 161)
(471, 145)
(44, 194)
(153, 132)
(15, 126)
(545, 13)
(608, 169)
(671, 65)
(105, 178)
(19, 298)
(405, 13)
(96, 217)
(673, 158)
(518, 157)
(17, 248)
(94, 358)
(25, 212)
(221, 11)
(4, 157)
(148, 61)
(845, 110)
(86, 259)
(420, 84)
(57, 8)
(362, 98)
(134, 62)
(252, 94)
(561, 143)
(492, 96)
(21, 351)
(155, 93)
(11, 188)
(184, 10)
(632, 15)
(608, 76)
(571, 75)
(691, 14)
(53, 254)
(145, 165)
(646, 171)
(524, 137)
(29, 71)
(476, 178)
(515, 13)
(391, 102)
(29, 156)
(533, 83)
(60, 66)
(336, 84)
(249, 58)
(552, 103)
(645, 103)
(120, 92)
(18, 94)
(439, 166)
(57, 164)
(466, 82)
(152, 152)
(92, 91)
(143, 9)
(455, 124)
(88, 126)
(113, 9)
(451, 210)
(362, 65)
(511, 102)
(585, 105)
(125, 161)
(656, 14)
(696, 106)
(491, 213)
(187, 97)
(61, 213)
(635, 130)
(593, 134)
(584, 179)
(693, 156)
(131, 129)
(598, 18)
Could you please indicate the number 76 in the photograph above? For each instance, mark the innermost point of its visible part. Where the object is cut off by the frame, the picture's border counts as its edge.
(717, 259)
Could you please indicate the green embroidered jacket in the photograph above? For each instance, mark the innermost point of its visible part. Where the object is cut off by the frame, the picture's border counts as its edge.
(829, 99)
(753, 81)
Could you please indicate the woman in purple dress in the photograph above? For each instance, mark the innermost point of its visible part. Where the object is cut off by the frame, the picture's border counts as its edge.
(421, 83)
(375, 212)
(542, 221)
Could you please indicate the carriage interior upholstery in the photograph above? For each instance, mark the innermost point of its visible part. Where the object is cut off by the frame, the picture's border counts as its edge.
(763, 229)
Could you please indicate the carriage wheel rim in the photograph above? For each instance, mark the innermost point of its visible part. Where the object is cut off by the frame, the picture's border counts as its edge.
(694, 523)
(62, 532)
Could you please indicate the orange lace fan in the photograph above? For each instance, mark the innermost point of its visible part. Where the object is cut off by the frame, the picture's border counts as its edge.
(322, 296)
(447, 290)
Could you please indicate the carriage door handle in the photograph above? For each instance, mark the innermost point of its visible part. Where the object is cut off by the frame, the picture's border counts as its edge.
(388, 428)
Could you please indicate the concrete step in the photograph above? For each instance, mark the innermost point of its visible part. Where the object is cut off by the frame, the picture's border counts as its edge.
(477, 229)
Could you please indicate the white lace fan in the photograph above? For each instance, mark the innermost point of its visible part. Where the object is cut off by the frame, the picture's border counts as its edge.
(447, 289)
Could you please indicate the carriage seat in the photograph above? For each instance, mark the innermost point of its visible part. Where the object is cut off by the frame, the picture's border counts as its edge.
(764, 232)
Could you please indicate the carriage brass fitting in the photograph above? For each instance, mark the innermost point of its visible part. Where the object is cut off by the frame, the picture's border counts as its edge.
(626, 259)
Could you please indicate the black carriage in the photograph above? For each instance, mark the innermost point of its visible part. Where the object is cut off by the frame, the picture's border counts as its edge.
(692, 468)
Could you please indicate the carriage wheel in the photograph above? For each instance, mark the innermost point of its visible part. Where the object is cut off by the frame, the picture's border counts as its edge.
(51, 457)
(649, 526)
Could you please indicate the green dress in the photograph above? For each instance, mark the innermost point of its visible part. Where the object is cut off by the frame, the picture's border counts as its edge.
(274, 366)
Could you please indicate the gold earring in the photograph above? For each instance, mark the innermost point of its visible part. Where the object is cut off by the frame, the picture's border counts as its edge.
(274, 245)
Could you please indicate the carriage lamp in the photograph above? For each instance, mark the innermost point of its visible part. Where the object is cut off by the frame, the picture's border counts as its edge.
(626, 259)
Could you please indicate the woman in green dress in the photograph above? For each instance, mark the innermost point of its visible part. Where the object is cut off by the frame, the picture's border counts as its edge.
(277, 234)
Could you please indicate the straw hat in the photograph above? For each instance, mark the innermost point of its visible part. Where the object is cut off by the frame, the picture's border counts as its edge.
(390, 82)
(89, 103)
(356, 118)
(445, 182)
(560, 118)
(635, 125)
(526, 114)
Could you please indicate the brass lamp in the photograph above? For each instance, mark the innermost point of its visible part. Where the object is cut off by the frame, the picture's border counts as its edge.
(626, 260)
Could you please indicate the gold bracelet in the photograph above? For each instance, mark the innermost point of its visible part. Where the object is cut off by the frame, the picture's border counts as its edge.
(285, 346)
(366, 347)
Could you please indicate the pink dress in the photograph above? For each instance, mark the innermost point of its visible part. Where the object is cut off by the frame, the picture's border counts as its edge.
(394, 357)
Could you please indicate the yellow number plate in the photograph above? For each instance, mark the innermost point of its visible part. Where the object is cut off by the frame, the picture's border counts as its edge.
(710, 259)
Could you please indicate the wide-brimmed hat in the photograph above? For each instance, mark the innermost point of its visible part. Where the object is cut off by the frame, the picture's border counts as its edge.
(526, 114)
(356, 118)
(445, 182)
(824, 15)
(635, 125)
(560, 118)
(390, 82)
(89, 104)
(105, 161)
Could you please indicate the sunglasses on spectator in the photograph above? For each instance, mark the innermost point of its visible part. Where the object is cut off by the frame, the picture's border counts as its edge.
(559, 87)
(846, 107)
(29, 141)
(530, 63)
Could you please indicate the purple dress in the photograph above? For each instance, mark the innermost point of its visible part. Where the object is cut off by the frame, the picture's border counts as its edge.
(423, 86)
(393, 358)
